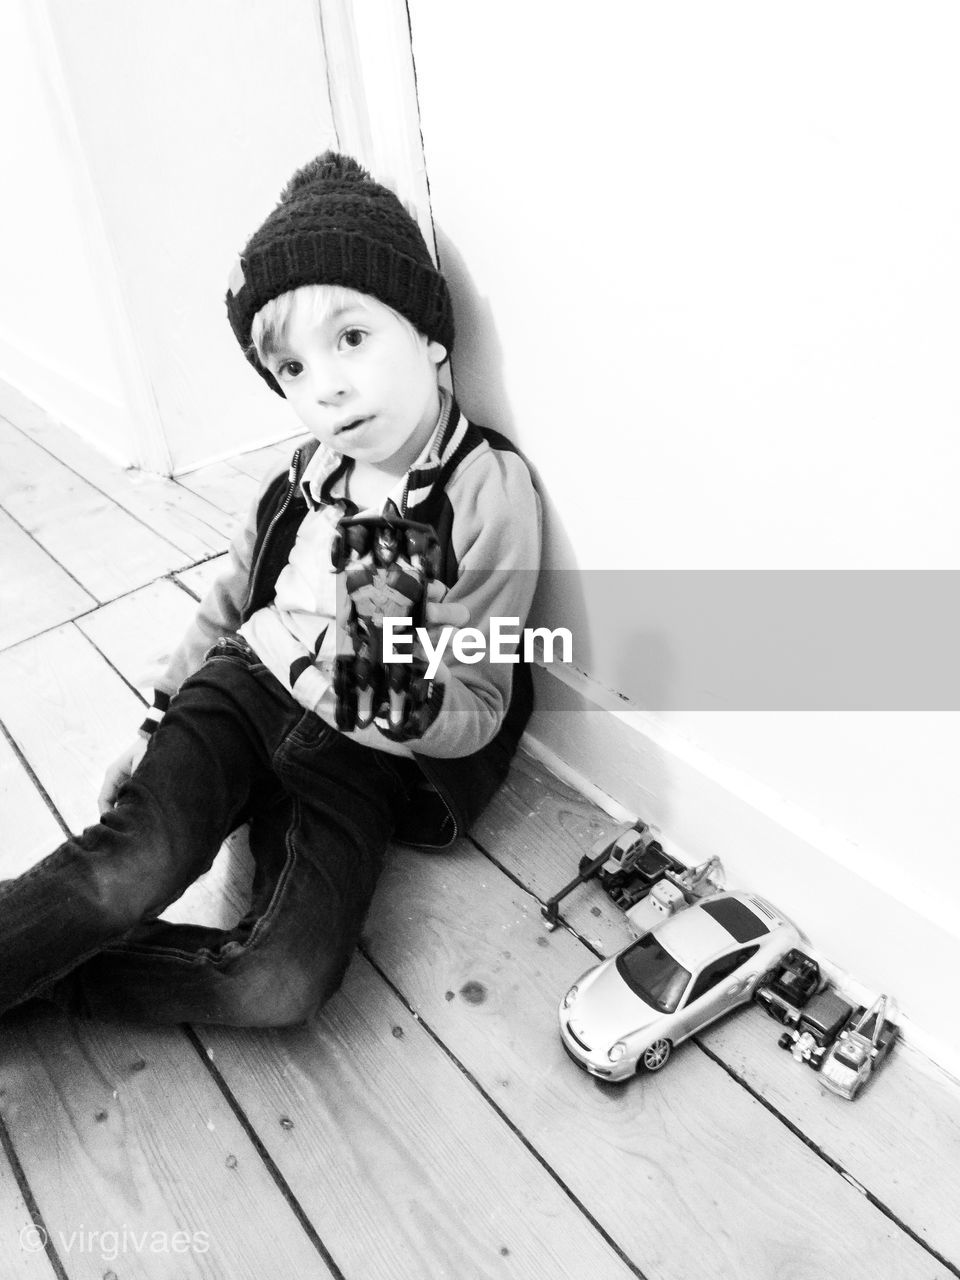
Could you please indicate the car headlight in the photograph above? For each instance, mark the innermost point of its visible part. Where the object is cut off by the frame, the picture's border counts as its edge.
(616, 1051)
(571, 995)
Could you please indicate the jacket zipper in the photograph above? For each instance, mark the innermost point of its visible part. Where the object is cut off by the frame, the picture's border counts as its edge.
(288, 497)
(428, 773)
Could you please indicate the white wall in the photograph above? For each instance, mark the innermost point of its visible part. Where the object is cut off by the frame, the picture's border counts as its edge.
(707, 265)
(148, 142)
(55, 341)
(193, 116)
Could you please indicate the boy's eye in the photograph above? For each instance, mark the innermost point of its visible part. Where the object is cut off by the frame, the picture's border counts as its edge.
(289, 368)
(352, 337)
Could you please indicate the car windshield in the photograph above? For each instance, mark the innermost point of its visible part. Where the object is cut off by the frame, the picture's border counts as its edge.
(652, 974)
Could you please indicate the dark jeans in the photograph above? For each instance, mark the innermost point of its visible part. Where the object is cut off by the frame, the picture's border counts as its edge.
(80, 928)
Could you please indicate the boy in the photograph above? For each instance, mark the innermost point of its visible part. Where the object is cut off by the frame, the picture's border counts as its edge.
(337, 304)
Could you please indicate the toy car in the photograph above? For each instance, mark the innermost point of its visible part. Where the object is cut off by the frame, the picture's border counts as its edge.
(630, 1012)
(788, 988)
(859, 1050)
(387, 562)
(818, 1026)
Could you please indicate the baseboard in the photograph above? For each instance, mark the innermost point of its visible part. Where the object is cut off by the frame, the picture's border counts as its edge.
(873, 935)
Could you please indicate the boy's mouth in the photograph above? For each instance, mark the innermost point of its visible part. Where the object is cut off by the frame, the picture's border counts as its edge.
(352, 425)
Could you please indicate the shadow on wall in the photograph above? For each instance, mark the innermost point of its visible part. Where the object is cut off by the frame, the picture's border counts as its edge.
(569, 595)
(480, 387)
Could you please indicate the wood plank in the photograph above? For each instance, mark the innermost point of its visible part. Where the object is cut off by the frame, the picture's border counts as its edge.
(224, 486)
(69, 713)
(30, 831)
(898, 1139)
(427, 1180)
(138, 633)
(22, 1253)
(201, 577)
(185, 520)
(35, 592)
(123, 1128)
(258, 463)
(105, 548)
(688, 1173)
(538, 828)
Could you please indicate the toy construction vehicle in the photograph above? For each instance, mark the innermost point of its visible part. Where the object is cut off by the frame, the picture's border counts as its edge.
(859, 1050)
(647, 883)
(787, 989)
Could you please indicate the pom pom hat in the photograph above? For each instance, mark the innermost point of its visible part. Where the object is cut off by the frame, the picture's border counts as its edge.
(335, 225)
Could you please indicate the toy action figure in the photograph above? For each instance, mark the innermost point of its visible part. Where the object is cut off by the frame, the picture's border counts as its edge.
(388, 563)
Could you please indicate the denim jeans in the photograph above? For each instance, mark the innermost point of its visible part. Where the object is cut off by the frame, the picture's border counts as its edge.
(80, 928)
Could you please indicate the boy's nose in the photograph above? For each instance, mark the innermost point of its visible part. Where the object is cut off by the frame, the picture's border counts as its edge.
(329, 387)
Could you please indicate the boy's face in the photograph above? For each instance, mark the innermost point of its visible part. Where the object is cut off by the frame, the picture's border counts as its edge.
(360, 379)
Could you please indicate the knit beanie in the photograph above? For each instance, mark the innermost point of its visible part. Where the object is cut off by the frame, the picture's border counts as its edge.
(335, 225)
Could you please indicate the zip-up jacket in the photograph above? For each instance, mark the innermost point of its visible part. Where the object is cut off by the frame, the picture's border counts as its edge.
(477, 493)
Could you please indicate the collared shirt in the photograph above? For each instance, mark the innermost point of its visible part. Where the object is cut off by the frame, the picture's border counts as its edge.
(296, 634)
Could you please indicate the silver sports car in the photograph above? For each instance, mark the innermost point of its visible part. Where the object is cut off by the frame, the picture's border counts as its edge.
(630, 1011)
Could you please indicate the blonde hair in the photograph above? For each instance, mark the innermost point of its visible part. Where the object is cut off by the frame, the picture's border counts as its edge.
(313, 302)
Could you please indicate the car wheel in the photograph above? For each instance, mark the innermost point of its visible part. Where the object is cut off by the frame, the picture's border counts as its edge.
(656, 1056)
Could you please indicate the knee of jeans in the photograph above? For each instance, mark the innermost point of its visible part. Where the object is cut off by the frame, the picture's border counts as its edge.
(119, 895)
(279, 992)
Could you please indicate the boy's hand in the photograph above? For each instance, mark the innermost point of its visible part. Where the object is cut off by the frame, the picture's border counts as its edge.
(439, 614)
(118, 772)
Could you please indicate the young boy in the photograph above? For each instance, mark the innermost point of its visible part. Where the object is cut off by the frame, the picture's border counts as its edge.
(337, 304)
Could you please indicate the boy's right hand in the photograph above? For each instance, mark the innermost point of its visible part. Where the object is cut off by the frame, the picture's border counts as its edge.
(118, 772)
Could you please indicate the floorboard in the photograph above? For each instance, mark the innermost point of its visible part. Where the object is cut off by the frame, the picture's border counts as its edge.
(223, 486)
(122, 1130)
(401, 1163)
(107, 550)
(138, 633)
(259, 463)
(40, 594)
(70, 714)
(685, 1171)
(183, 518)
(30, 830)
(201, 577)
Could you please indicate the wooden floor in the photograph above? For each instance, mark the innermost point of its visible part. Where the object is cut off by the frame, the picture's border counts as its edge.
(428, 1124)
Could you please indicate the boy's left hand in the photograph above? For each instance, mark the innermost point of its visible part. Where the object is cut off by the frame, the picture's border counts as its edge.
(439, 614)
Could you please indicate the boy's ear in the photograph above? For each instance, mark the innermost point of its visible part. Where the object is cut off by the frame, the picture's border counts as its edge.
(437, 352)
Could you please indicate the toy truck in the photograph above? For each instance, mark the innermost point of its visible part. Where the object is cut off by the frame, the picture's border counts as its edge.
(859, 1050)
(819, 1023)
(787, 989)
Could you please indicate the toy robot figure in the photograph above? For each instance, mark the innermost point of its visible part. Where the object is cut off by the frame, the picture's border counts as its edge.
(388, 563)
